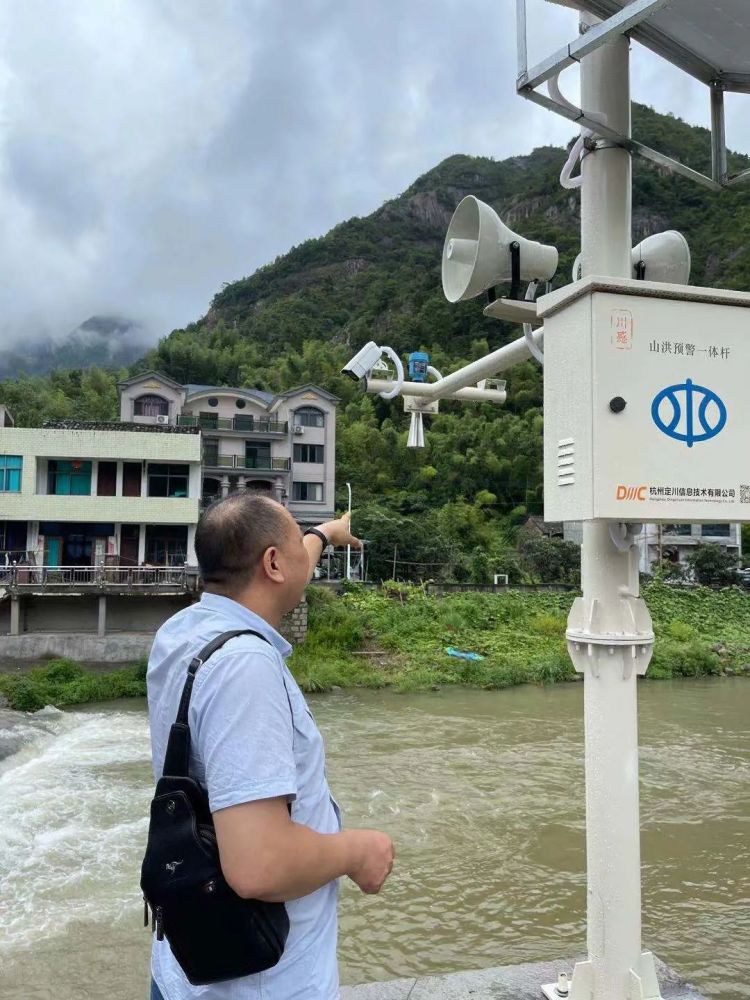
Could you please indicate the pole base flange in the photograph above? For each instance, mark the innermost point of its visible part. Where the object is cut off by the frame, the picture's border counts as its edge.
(642, 983)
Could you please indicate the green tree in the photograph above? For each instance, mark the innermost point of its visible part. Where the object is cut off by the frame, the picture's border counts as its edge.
(712, 564)
(551, 560)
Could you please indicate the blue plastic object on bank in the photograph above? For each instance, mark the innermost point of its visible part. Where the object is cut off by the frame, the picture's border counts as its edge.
(462, 655)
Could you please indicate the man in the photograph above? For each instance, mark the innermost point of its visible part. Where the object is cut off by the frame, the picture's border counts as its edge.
(256, 748)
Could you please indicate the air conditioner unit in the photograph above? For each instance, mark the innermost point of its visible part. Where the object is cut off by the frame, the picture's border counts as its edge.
(299, 429)
(162, 418)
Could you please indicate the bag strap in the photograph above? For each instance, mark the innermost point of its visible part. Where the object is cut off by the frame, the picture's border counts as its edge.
(177, 757)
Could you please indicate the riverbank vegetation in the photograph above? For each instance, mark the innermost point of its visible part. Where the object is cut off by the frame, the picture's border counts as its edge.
(397, 636)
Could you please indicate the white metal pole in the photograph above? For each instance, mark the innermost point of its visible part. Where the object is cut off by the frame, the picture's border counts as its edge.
(349, 548)
(605, 624)
(423, 390)
(494, 363)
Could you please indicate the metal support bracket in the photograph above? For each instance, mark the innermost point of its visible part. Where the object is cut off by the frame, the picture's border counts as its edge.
(619, 23)
(643, 984)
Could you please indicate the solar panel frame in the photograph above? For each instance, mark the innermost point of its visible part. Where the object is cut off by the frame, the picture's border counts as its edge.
(701, 37)
(709, 39)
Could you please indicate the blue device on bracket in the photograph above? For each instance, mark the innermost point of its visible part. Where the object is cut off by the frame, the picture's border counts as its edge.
(418, 363)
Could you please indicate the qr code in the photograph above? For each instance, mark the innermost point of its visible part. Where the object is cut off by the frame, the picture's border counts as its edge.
(744, 494)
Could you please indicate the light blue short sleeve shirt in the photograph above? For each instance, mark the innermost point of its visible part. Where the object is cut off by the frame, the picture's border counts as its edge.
(253, 737)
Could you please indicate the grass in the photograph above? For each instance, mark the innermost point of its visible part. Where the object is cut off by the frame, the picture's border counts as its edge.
(403, 633)
(63, 682)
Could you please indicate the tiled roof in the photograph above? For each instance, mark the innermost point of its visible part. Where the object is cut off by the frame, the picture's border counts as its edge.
(111, 425)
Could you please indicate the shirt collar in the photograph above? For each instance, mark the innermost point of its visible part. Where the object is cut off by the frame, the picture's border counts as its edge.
(242, 616)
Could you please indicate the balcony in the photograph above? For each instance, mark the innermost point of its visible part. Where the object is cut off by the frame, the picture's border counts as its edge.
(101, 579)
(247, 464)
(240, 424)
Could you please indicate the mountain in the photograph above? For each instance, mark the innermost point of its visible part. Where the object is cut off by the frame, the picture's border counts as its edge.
(379, 276)
(300, 318)
(103, 341)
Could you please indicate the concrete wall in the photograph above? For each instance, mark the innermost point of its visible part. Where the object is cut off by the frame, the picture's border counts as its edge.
(120, 649)
(142, 613)
(56, 625)
(226, 407)
(55, 613)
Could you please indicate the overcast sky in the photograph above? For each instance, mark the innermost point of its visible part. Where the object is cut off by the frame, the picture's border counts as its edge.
(152, 149)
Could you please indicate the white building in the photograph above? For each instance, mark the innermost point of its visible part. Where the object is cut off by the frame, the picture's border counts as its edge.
(130, 493)
(87, 494)
(285, 444)
(673, 542)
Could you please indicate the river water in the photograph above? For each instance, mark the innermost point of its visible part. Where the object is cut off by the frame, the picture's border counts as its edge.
(483, 793)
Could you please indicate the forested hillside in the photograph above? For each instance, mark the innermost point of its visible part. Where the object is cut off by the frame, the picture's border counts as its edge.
(298, 319)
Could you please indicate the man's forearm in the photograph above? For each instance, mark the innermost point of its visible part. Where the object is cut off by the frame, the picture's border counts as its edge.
(300, 862)
(314, 548)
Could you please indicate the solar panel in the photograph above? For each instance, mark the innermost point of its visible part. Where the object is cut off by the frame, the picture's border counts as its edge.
(710, 39)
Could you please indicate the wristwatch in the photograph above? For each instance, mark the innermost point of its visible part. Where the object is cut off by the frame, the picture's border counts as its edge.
(320, 535)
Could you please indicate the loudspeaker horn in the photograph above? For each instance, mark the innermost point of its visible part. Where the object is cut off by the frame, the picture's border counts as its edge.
(477, 253)
(662, 257)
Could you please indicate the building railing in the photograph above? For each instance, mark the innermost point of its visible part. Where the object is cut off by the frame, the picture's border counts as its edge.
(243, 462)
(249, 425)
(147, 578)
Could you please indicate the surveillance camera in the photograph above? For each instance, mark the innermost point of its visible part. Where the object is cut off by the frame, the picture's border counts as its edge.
(363, 362)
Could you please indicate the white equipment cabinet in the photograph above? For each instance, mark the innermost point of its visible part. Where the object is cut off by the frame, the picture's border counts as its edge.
(646, 402)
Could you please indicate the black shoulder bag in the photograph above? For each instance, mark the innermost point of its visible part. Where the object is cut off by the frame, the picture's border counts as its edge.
(214, 934)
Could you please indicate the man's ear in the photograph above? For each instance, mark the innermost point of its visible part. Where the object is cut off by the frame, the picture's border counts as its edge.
(271, 565)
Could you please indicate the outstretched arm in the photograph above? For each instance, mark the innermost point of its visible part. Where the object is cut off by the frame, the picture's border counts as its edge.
(338, 534)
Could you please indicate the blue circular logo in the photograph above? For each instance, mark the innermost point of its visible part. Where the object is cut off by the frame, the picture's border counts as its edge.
(689, 413)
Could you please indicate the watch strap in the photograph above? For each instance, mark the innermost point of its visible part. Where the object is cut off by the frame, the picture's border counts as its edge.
(320, 535)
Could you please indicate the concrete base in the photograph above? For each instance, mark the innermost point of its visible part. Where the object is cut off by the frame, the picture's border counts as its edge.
(115, 649)
(508, 982)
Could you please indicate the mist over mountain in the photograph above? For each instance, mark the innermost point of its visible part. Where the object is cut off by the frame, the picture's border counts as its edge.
(100, 341)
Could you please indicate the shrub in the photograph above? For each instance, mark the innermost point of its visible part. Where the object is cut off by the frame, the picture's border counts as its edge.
(60, 671)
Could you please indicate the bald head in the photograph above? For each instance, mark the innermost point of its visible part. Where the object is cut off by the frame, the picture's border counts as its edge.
(232, 535)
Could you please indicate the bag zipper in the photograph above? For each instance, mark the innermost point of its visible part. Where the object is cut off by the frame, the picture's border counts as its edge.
(159, 925)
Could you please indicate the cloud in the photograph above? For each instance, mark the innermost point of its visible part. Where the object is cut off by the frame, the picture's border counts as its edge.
(153, 149)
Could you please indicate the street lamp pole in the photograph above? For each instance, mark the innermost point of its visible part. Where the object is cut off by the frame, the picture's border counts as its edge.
(349, 548)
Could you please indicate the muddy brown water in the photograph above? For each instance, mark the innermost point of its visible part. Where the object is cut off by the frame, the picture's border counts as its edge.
(483, 793)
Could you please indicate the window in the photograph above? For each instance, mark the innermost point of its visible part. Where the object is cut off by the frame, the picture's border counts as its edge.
(308, 453)
(167, 480)
(151, 406)
(211, 452)
(716, 530)
(308, 416)
(13, 537)
(69, 478)
(131, 479)
(307, 492)
(106, 479)
(257, 455)
(10, 473)
(240, 404)
(209, 421)
(677, 529)
(166, 544)
(213, 401)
